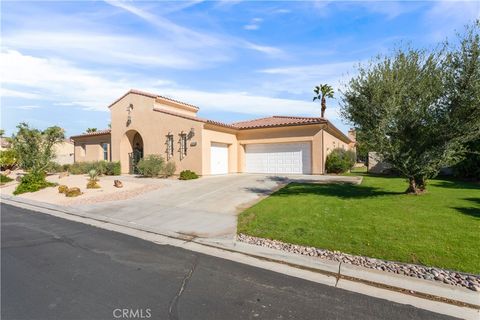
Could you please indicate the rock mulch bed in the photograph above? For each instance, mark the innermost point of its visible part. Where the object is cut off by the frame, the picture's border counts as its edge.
(121, 195)
(469, 281)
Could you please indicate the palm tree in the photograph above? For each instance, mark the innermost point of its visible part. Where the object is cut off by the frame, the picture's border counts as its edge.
(91, 130)
(321, 92)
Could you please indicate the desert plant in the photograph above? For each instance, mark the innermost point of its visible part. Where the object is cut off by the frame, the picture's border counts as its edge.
(102, 167)
(73, 192)
(93, 175)
(188, 175)
(169, 169)
(32, 182)
(151, 166)
(340, 161)
(93, 184)
(8, 159)
(62, 188)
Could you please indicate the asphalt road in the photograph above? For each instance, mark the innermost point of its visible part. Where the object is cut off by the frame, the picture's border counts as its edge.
(58, 269)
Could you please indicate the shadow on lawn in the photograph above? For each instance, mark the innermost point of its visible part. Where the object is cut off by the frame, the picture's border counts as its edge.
(471, 211)
(340, 190)
(456, 184)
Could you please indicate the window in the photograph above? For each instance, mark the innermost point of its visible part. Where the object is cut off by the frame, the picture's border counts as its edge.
(169, 146)
(105, 151)
(183, 145)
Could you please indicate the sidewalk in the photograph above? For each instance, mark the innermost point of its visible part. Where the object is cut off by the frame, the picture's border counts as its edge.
(433, 296)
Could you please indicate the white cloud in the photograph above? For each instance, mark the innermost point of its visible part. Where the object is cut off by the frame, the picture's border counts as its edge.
(302, 79)
(65, 85)
(254, 24)
(186, 35)
(446, 17)
(4, 92)
(27, 107)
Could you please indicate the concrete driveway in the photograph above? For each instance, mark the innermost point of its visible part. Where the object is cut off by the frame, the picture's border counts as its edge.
(206, 207)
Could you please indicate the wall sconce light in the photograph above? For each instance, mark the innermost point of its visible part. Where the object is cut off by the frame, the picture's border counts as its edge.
(191, 134)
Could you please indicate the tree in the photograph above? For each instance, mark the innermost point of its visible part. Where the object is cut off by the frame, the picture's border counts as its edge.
(91, 130)
(2, 132)
(322, 92)
(419, 109)
(35, 148)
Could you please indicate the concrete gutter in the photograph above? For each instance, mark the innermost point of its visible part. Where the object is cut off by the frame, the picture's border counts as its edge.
(434, 296)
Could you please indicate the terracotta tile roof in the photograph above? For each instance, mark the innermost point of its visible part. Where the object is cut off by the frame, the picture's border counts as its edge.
(95, 133)
(277, 121)
(217, 123)
(151, 95)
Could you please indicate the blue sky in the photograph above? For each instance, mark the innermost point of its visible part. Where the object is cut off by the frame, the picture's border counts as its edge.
(63, 62)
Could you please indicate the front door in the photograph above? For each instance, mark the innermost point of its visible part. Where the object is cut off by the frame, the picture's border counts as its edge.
(134, 158)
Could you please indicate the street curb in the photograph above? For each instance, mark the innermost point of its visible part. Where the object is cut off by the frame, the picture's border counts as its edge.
(419, 288)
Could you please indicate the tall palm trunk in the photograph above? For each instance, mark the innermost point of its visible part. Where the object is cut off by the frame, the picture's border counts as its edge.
(324, 106)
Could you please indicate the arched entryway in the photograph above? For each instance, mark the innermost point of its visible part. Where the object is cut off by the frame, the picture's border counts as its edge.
(131, 151)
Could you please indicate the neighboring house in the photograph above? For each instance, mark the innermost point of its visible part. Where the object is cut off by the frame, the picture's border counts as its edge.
(64, 152)
(376, 164)
(144, 123)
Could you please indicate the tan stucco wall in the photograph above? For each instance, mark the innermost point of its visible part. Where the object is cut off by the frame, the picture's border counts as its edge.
(171, 107)
(64, 152)
(92, 146)
(220, 135)
(153, 126)
(308, 133)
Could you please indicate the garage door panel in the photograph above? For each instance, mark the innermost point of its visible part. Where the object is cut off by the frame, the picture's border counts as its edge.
(218, 158)
(278, 158)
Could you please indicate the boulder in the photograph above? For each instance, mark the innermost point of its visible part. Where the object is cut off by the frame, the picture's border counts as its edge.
(7, 172)
(117, 184)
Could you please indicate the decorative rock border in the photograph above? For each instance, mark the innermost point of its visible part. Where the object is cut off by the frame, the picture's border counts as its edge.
(469, 281)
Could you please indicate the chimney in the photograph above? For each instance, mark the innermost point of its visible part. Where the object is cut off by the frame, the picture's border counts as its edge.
(352, 135)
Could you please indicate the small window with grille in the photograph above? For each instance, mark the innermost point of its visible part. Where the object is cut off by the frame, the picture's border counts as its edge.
(183, 145)
(169, 146)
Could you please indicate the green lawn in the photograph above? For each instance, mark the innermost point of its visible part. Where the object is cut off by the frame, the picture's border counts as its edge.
(440, 228)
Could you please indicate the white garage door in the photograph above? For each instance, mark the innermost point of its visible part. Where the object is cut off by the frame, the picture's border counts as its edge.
(218, 158)
(278, 158)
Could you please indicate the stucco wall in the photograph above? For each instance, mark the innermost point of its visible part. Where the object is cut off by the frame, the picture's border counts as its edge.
(89, 148)
(153, 126)
(220, 135)
(64, 152)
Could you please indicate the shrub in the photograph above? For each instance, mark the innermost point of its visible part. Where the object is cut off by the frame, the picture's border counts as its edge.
(8, 159)
(73, 192)
(151, 166)
(169, 169)
(4, 179)
(339, 161)
(78, 168)
(113, 168)
(53, 167)
(66, 167)
(188, 175)
(62, 188)
(32, 182)
(102, 167)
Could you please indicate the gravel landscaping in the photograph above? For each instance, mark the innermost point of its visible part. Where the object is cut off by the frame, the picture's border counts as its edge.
(469, 281)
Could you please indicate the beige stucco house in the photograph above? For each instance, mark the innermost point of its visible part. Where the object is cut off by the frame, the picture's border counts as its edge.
(143, 123)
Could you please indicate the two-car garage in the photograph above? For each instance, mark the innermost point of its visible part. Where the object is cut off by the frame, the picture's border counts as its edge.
(278, 158)
(292, 158)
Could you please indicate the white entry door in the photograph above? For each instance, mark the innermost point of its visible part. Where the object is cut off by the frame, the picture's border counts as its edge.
(278, 158)
(218, 158)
